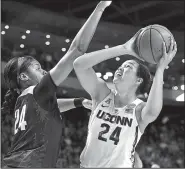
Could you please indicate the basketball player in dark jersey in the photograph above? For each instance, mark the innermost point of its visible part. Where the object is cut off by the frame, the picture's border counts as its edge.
(31, 99)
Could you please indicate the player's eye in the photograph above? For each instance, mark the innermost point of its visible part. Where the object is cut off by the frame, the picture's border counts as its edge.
(128, 66)
(119, 68)
(38, 68)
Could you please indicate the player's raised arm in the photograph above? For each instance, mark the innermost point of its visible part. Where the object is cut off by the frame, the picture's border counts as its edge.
(86, 74)
(155, 99)
(79, 45)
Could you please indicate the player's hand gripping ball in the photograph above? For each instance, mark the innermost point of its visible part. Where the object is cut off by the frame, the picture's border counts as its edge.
(167, 56)
(131, 47)
(150, 43)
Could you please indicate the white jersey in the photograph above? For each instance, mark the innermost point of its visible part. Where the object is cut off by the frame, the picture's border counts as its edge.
(113, 134)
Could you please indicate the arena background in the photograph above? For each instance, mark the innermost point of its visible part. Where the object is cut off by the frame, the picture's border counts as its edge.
(45, 29)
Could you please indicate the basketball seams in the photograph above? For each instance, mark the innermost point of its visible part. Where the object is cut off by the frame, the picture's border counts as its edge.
(151, 44)
(140, 37)
(164, 28)
(161, 36)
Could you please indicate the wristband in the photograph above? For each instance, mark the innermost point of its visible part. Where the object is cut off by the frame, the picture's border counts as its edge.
(78, 102)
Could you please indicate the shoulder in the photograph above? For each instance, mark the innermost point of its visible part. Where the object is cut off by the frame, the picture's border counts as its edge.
(45, 89)
(140, 106)
(102, 91)
(28, 90)
(101, 97)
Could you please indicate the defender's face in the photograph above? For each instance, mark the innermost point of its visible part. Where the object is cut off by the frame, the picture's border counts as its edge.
(35, 72)
(126, 73)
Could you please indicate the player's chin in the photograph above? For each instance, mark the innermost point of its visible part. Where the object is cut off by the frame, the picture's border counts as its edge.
(116, 80)
(40, 77)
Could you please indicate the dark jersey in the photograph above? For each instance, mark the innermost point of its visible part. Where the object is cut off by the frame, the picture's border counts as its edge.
(38, 127)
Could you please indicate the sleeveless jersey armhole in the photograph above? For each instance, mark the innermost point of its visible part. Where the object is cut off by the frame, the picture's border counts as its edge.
(138, 102)
(98, 105)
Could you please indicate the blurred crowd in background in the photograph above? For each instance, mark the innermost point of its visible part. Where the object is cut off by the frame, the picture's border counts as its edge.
(162, 142)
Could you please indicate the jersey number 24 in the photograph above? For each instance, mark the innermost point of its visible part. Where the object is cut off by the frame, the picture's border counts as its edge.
(114, 135)
(20, 123)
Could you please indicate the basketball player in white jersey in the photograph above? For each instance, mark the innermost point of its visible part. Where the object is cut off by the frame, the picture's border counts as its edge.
(118, 117)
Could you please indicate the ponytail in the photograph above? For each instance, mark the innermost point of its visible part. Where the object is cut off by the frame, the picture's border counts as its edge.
(11, 72)
(9, 104)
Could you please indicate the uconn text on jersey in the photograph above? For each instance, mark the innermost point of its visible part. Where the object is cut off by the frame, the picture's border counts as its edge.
(114, 118)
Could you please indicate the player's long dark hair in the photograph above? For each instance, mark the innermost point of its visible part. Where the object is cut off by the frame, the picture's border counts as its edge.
(12, 69)
(144, 73)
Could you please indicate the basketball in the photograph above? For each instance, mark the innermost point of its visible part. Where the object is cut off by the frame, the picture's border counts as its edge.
(150, 40)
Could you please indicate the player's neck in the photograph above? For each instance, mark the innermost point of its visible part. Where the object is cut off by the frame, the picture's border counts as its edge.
(23, 89)
(124, 98)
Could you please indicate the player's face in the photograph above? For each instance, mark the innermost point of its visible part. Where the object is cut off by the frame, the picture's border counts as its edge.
(126, 73)
(35, 72)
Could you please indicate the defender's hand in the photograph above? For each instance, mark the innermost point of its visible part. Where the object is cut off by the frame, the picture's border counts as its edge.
(103, 4)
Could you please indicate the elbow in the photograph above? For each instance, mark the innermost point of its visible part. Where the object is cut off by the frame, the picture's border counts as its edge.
(81, 49)
(78, 48)
(80, 44)
(77, 64)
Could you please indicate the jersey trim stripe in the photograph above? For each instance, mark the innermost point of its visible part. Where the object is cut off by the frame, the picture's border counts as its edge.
(134, 145)
(28, 90)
